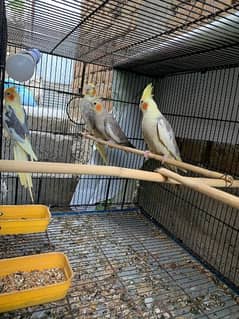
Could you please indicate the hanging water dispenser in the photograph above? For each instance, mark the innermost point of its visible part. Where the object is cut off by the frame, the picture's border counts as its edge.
(21, 66)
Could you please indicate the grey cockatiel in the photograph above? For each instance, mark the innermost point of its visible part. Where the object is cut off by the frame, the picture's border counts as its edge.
(88, 115)
(86, 107)
(158, 133)
(108, 127)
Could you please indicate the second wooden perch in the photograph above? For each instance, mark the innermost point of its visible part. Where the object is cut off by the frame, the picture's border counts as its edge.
(189, 167)
(200, 187)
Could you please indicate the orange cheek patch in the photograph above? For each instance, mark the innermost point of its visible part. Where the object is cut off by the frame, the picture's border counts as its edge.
(11, 97)
(98, 107)
(144, 106)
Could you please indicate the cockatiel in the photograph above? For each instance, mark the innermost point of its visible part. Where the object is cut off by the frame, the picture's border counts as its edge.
(157, 132)
(86, 107)
(88, 115)
(108, 127)
(15, 126)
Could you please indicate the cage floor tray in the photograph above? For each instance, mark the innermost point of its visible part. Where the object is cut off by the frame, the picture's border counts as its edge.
(38, 295)
(124, 267)
(23, 219)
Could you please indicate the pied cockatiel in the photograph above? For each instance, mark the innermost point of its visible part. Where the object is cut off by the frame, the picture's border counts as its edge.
(108, 127)
(15, 127)
(88, 115)
(157, 132)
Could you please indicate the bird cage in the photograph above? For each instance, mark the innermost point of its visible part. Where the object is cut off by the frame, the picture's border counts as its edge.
(140, 245)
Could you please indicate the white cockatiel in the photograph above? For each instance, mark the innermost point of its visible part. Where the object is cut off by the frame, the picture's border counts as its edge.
(15, 127)
(88, 115)
(157, 131)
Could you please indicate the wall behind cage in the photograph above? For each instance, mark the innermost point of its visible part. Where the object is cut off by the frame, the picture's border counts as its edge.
(203, 110)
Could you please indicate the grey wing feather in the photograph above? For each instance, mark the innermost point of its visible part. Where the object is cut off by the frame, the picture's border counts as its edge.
(166, 134)
(90, 120)
(88, 114)
(114, 131)
(17, 130)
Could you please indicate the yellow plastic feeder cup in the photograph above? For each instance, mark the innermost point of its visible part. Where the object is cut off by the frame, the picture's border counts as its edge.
(39, 295)
(23, 219)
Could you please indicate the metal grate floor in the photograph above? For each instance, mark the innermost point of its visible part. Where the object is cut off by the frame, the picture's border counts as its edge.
(124, 267)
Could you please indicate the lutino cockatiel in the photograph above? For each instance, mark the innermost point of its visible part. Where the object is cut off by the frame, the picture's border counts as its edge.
(15, 126)
(157, 132)
(87, 113)
(108, 127)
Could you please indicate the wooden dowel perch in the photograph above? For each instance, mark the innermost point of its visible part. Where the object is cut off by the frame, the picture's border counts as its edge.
(199, 184)
(200, 187)
(189, 167)
(78, 169)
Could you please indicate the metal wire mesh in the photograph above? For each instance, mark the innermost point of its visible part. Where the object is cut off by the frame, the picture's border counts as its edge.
(55, 136)
(3, 41)
(150, 36)
(122, 46)
(208, 116)
(124, 267)
(207, 228)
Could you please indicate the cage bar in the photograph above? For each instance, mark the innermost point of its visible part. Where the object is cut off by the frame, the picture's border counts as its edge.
(189, 51)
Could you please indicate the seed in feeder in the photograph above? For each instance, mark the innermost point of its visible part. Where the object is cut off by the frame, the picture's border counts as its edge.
(22, 280)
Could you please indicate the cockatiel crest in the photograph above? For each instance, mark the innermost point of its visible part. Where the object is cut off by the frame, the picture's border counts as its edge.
(90, 90)
(147, 100)
(147, 93)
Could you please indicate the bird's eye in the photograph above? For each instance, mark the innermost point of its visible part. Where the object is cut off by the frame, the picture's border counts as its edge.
(8, 93)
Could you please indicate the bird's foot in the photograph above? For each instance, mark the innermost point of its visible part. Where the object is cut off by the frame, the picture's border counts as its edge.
(165, 157)
(111, 141)
(228, 180)
(85, 132)
(146, 154)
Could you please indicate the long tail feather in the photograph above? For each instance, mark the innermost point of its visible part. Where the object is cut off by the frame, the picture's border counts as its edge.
(101, 149)
(25, 178)
(27, 148)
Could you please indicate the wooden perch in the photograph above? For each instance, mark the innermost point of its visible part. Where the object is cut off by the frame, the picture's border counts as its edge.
(200, 187)
(163, 176)
(78, 169)
(189, 167)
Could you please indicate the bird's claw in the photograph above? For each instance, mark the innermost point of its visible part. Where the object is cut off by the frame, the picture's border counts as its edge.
(111, 141)
(165, 157)
(228, 180)
(146, 154)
